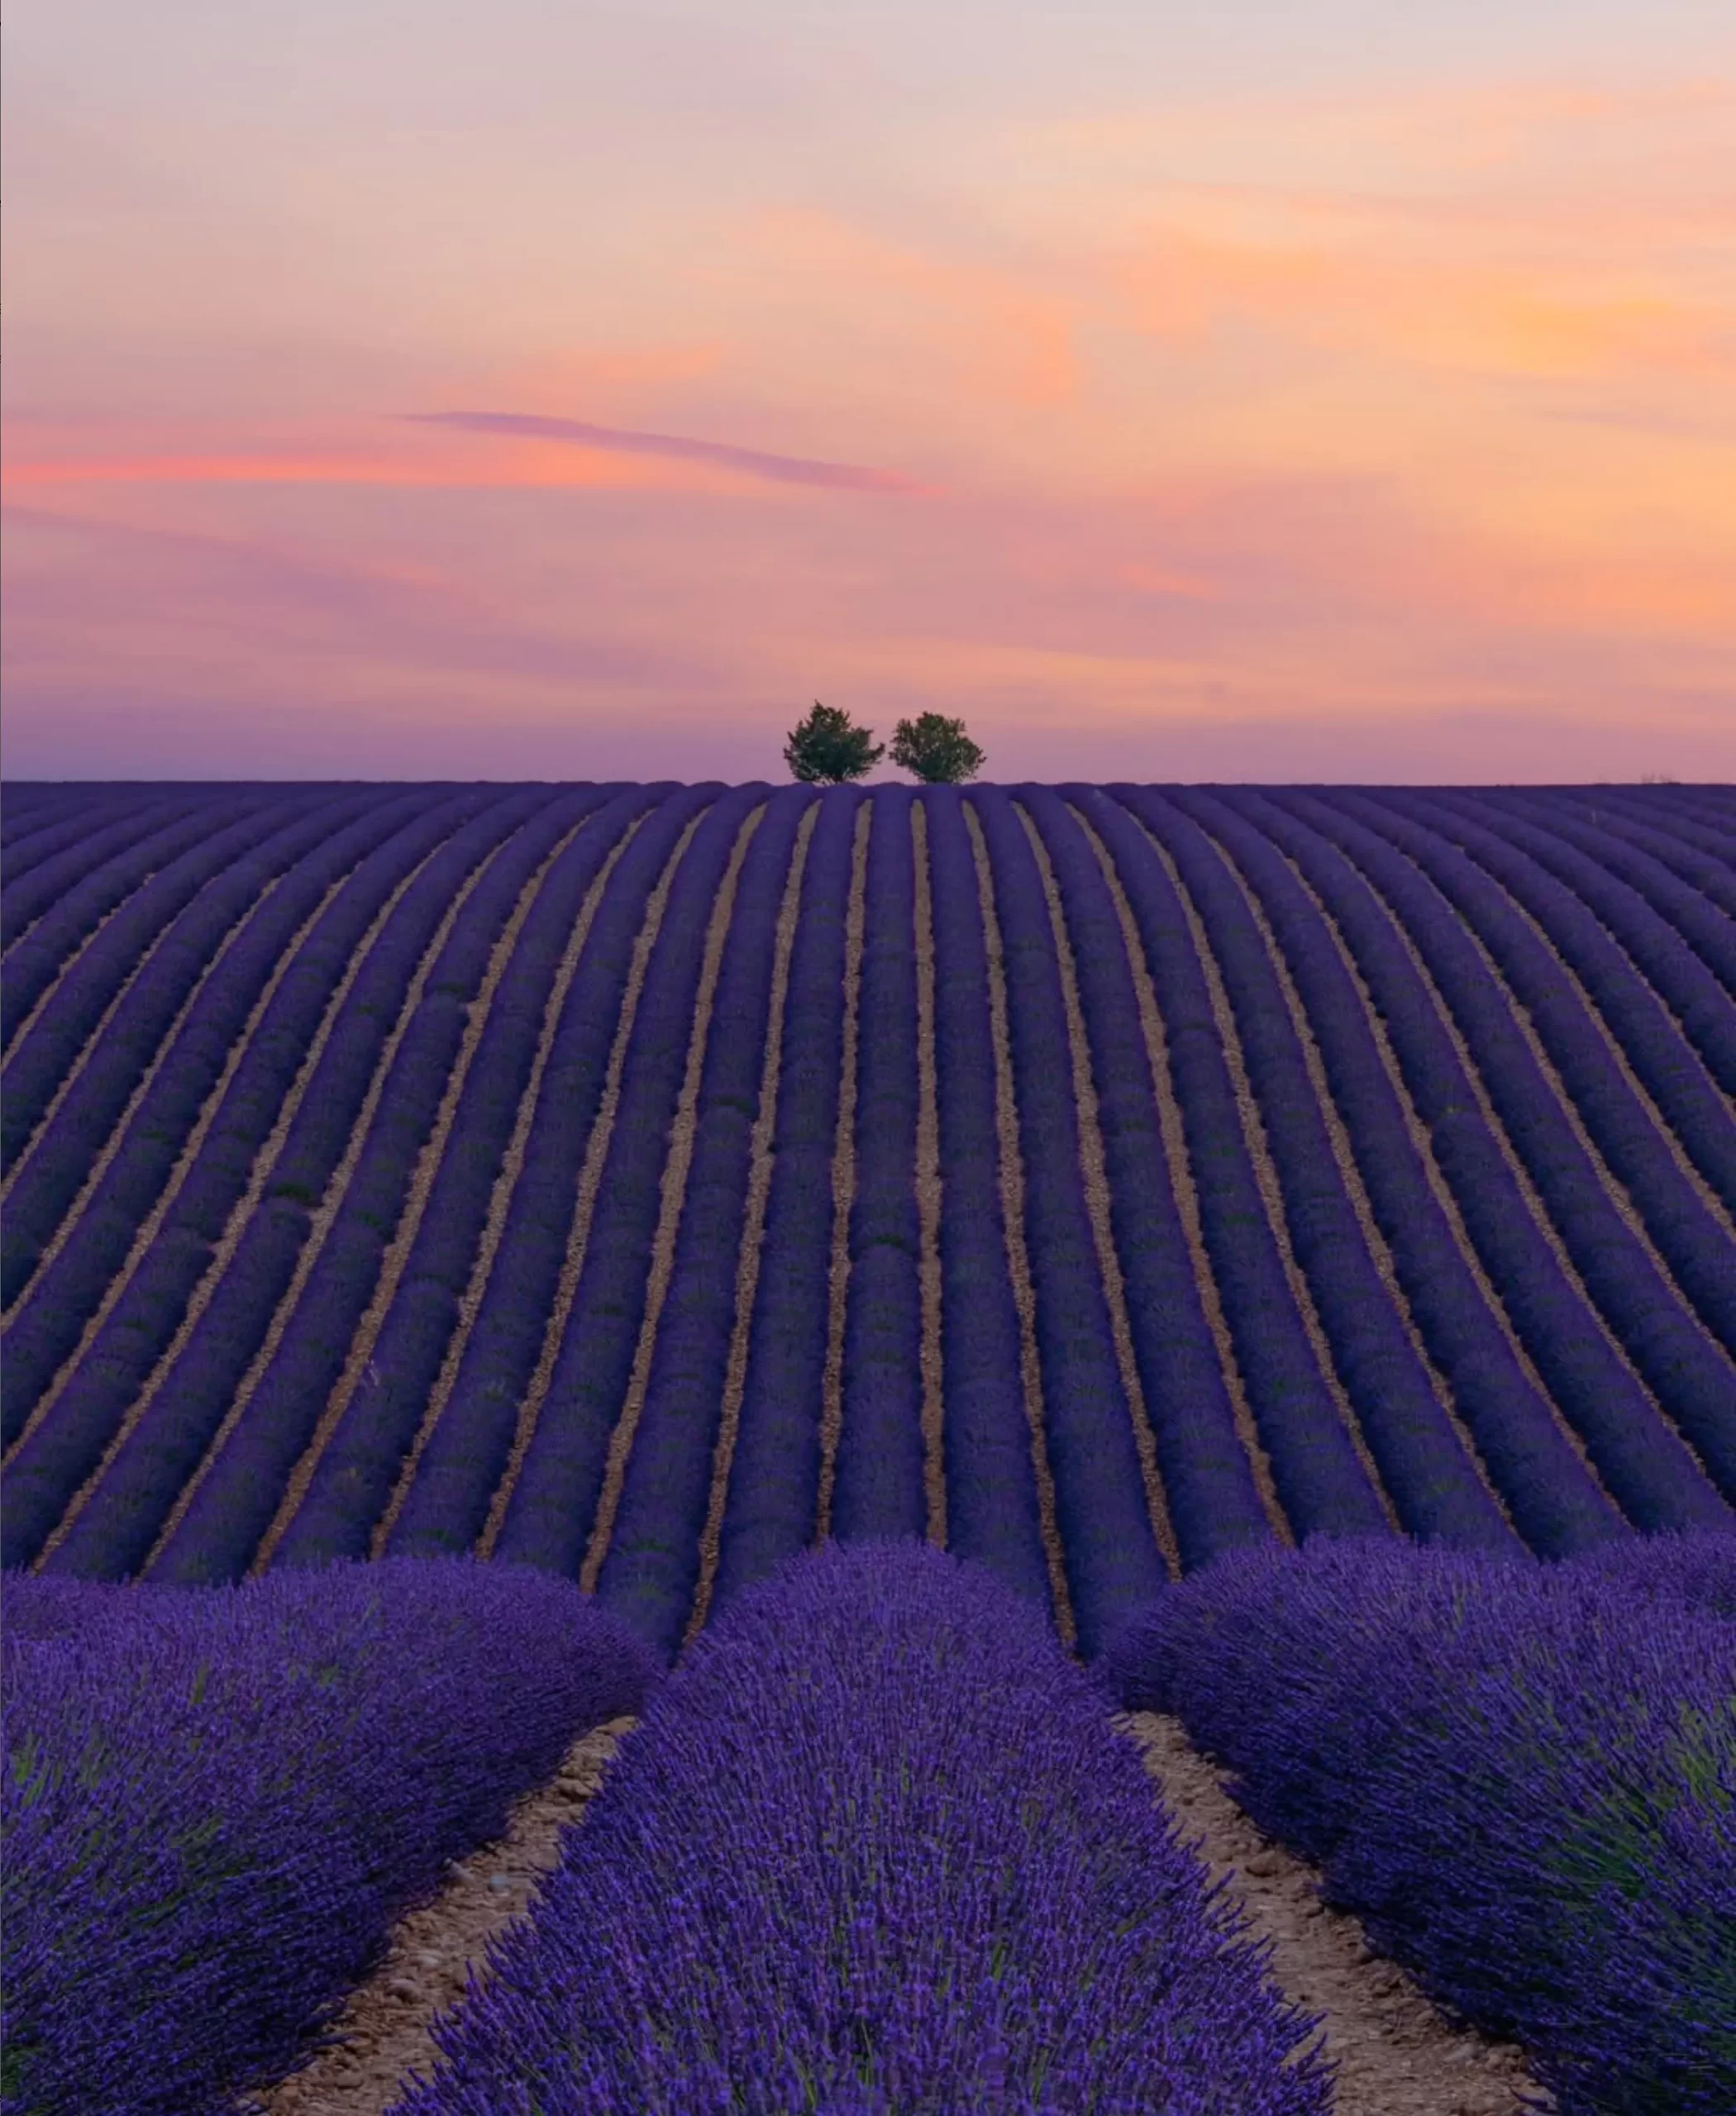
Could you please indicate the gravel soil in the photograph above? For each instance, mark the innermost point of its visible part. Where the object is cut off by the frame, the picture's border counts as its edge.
(1397, 2056)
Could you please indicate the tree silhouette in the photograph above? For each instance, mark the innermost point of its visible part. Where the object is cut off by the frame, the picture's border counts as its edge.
(938, 751)
(828, 748)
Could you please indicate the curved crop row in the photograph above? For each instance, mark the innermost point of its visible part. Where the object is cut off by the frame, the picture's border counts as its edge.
(1319, 1479)
(268, 1443)
(650, 1570)
(1643, 1464)
(1112, 1552)
(74, 885)
(170, 1024)
(1688, 1378)
(771, 1505)
(548, 1519)
(1614, 1130)
(1522, 1778)
(216, 1803)
(1555, 1500)
(139, 1311)
(133, 1181)
(87, 1004)
(256, 1266)
(1000, 1500)
(880, 1488)
(1435, 1486)
(873, 1848)
(462, 1467)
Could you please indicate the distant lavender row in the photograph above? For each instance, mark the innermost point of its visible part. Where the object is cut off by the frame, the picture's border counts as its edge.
(769, 1508)
(1691, 1379)
(213, 962)
(652, 1569)
(1319, 1481)
(1112, 1555)
(1435, 1491)
(73, 910)
(1643, 1464)
(1553, 1499)
(216, 1802)
(447, 1505)
(1682, 1230)
(873, 1848)
(143, 1321)
(1632, 962)
(1522, 1778)
(117, 1530)
(235, 1505)
(146, 925)
(552, 1510)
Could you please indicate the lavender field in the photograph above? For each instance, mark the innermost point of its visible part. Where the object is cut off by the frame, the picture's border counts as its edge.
(646, 1185)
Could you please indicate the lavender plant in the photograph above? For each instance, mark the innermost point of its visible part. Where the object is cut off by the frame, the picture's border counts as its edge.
(875, 1848)
(1522, 1777)
(216, 1801)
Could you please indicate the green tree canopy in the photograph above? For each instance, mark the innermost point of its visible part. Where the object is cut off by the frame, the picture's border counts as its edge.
(938, 750)
(828, 748)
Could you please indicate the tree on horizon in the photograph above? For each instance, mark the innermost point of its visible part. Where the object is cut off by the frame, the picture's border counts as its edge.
(827, 748)
(938, 750)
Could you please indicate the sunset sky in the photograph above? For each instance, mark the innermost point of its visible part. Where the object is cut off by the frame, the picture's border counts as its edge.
(1311, 389)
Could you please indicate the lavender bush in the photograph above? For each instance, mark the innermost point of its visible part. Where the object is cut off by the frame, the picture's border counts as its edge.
(217, 1802)
(875, 1848)
(1522, 1777)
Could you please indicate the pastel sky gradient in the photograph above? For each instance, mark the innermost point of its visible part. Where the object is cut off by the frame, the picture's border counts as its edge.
(1283, 389)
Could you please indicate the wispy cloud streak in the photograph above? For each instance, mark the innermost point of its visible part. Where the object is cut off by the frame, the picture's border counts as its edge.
(755, 462)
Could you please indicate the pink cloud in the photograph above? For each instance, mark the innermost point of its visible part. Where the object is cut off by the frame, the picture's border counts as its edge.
(754, 463)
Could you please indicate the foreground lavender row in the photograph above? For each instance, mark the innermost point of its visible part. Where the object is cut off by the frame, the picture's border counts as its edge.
(216, 1802)
(646, 1182)
(871, 1849)
(1521, 1778)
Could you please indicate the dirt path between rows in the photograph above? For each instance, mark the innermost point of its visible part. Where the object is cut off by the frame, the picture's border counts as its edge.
(385, 2024)
(1396, 2055)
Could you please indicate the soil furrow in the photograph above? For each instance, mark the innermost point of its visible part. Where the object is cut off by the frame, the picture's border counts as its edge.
(17, 1042)
(585, 1201)
(761, 1157)
(1012, 1218)
(117, 1132)
(1534, 1204)
(1418, 1132)
(1661, 1125)
(1265, 1176)
(928, 1197)
(1344, 1154)
(1094, 1173)
(396, 1258)
(325, 1215)
(1614, 1189)
(1396, 2055)
(1174, 1135)
(843, 1179)
(678, 1160)
(500, 1194)
(434, 1950)
(240, 1213)
(151, 1225)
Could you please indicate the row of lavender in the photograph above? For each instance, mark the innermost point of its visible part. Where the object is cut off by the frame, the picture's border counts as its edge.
(874, 1846)
(217, 1803)
(1522, 1779)
(338, 1154)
